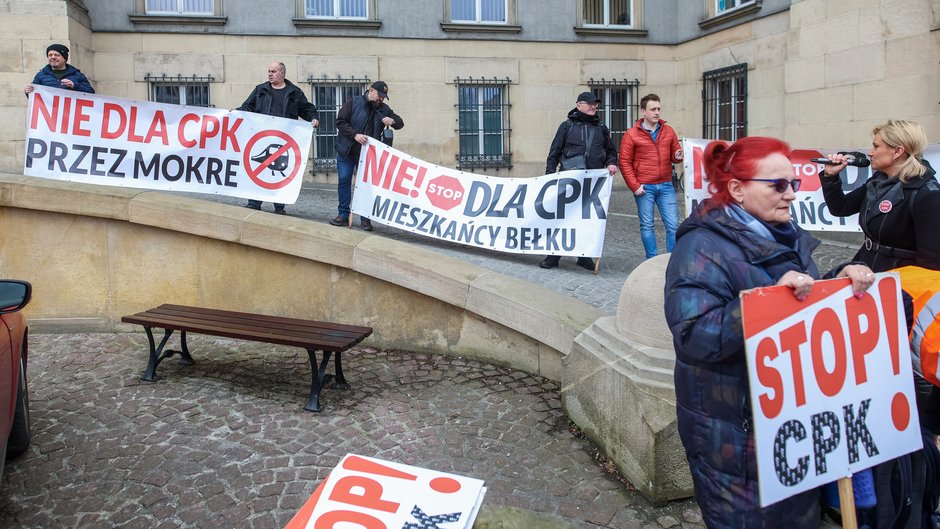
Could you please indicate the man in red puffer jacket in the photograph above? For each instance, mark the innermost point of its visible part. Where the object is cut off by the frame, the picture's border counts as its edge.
(647, 153)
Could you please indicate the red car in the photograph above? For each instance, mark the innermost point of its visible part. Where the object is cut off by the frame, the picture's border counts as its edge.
(14, 398)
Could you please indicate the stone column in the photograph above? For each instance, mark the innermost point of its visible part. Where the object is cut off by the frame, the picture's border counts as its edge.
(618, 388)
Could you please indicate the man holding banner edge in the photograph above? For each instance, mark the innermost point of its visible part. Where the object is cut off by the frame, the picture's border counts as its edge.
(582, 136)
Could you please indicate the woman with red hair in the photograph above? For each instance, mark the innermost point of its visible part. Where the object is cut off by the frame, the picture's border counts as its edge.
(742, 237)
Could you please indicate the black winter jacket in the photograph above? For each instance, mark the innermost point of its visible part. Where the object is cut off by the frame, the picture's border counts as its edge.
(901, 226)
(570, 138)
(295, 102)
(358, 115)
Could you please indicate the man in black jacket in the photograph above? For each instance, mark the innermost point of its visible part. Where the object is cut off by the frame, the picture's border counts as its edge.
(281, 98)
(359, 118)
(581, 135)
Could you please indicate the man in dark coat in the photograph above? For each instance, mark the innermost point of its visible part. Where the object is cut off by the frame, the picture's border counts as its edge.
(360, 118)
(571, 140)
(59, 74)
(281, 98)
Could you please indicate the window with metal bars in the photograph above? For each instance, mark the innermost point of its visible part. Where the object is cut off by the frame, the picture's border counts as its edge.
(180, 90)
(724, 103)
(620, 106)
(358, 9)
(328, 95)
(483, 123)
(607, 12)
(478, 11)
(181, 7)
(726, 5)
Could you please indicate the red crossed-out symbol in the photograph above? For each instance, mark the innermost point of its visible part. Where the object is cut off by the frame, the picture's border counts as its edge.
(287, 148)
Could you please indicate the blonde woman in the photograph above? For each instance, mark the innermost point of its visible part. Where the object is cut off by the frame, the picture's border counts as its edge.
(899, 206)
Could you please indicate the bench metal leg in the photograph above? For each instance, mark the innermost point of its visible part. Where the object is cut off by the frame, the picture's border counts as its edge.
(320, 377)
(157, 354)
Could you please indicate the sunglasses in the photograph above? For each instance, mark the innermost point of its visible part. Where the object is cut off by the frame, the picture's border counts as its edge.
(780, 184)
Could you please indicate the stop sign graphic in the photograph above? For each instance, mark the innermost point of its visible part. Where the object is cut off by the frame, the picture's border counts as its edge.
(445, 192)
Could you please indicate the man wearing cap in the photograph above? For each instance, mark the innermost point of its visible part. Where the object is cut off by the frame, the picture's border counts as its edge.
(59, 74)
(581, 135)
(359, 118)
(647, 152)
(281, 98)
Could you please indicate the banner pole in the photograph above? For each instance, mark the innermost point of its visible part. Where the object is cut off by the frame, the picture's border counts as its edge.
(847, 503)
(597, 265)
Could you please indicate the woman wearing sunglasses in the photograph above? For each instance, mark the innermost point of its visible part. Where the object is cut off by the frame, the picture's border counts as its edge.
(899, 206)
(742, 237)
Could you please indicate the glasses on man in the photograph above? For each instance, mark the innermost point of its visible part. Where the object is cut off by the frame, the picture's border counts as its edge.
(780, 184)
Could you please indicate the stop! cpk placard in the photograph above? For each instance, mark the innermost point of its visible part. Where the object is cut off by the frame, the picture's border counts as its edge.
(367, 493)
(831, 383)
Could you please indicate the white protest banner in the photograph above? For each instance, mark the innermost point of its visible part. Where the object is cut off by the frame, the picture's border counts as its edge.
(831, 383)
(809, 209)
(560, 214)
(364, 492)
(104, 140)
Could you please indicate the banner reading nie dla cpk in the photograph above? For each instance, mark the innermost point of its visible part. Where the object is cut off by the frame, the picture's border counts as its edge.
(105, 140)
(560, 214)
(831, 383)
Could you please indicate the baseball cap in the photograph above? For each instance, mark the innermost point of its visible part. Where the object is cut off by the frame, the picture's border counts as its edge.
(588, 97)
(381, 88)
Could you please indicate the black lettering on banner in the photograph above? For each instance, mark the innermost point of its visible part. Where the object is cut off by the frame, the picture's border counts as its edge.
(35, 149)
(97, 161)
(484, 193)
(165, 166)
(426, 521)
(121, 154)
(193, 168)
(857, 431)
(82, 152)
(823, 423)
(787, 475)
(57, 154)
(141, 169)
(590, 199)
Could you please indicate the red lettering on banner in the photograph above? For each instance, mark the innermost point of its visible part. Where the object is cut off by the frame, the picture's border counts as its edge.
(374, 168)
(82, 116)
(404, 174)
(862, 342)
(888, 291)
(228, 133)
(157, 128)
(697, 154)
(107, 111)
(330, 519)
(359, 464)
(827, 322)
(790, 341)
(362, 492)
(132, 127)
(769, 378)
(181, 130)
(41, 110)
(210, 128)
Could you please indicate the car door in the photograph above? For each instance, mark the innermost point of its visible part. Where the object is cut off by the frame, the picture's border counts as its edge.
(7, 396)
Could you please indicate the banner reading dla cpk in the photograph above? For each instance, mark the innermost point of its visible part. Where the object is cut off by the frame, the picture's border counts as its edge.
(103, 140)
(560, 214)
(831, 383)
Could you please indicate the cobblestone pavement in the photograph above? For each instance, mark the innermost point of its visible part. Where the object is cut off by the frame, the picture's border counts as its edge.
(225, 443)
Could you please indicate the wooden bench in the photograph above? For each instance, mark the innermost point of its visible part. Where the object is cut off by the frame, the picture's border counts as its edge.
(330, 338)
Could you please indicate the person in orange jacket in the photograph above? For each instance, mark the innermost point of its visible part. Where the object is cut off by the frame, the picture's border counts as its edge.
(647, 152)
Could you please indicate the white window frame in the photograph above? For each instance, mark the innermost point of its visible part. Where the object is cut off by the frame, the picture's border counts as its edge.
(180, 9)
(340, 89)
(730, 5)
(476, 156)
(181, 83)
(607, 22)
(717, 99)
(337, 4)
(478, 13)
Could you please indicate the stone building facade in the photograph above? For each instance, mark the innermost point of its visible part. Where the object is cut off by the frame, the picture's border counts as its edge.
(483, 84)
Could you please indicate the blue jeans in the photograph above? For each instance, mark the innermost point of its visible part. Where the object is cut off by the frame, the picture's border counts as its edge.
(664, 197)
(345, 167)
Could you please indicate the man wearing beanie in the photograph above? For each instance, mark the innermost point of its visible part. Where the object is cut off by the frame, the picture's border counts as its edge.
(59, 74)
